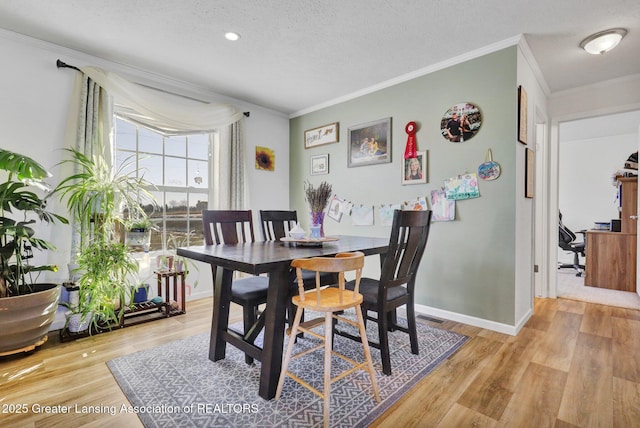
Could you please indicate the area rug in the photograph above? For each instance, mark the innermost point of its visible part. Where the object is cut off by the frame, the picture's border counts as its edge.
(176, 385)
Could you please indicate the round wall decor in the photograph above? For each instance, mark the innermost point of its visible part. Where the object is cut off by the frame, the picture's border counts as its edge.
(461, 122)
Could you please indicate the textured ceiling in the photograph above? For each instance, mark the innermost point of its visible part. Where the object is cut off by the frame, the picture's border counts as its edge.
(294, 55)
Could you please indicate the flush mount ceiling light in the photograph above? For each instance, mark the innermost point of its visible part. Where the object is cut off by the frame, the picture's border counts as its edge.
(603, 41)
(230, 35)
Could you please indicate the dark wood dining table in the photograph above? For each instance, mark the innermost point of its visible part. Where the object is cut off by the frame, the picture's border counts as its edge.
(274, 259)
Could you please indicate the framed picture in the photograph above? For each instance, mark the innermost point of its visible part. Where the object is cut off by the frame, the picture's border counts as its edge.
(325, 134)
(461, 122)
(265, 159)
(414, 170)
(369, 143)
(522, 115)
(320, 164)
(529, 181)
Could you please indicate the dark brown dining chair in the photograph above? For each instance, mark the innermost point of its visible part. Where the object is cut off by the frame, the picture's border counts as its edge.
(276, 224)
(396, 285)
(234, 227)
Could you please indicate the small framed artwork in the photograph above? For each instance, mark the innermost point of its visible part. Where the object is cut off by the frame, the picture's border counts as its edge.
(265, 159)
(522, 115)
(325, 134)
(369, 143)
(529, 181)
(414, 170)
(320, 164)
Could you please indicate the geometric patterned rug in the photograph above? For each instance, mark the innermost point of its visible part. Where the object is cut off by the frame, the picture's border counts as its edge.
(176, 385)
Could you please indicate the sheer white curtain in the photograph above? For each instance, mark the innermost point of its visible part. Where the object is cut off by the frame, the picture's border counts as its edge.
(229, 175)
(89, 130)
(164, 113)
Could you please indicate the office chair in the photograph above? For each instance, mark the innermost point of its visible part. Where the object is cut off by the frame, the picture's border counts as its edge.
(566, 241)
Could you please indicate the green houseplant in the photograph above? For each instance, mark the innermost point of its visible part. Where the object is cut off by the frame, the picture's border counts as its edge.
(97, 195)
(138, 232)
(27, 308)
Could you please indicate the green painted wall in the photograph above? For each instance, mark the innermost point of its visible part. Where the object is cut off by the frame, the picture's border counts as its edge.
(469, 264)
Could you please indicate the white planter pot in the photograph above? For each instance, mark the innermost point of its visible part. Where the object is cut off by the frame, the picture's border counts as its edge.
(76, 323)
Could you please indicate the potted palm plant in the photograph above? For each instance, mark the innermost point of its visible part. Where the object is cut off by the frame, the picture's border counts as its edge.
(96, 195)
(27, 308)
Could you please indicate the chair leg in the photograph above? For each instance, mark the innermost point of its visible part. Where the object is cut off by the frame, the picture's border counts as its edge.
(367, 353)
(383, 333)
(411, 324)
(287, 355)
(249, 318)
(393, 320)
(328, 346)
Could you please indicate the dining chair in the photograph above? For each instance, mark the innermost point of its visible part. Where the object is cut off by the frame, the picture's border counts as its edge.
(275, 225)
(234, 227)
(331, 301)
(396, 285)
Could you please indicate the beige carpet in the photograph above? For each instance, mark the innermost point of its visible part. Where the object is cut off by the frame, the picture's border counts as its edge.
(572, 287)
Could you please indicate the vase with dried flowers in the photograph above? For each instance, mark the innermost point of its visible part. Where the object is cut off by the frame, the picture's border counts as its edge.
(318, 198)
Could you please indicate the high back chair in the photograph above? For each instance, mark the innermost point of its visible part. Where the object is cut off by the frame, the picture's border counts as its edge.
(276, 224)
(397, 282)
(233, 227)
(331, 301)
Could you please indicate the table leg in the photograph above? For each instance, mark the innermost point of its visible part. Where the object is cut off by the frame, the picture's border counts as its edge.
(275, 310)
(183, 300)
(220, 319)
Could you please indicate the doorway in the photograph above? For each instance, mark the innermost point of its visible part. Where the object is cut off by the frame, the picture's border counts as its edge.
(591, 151)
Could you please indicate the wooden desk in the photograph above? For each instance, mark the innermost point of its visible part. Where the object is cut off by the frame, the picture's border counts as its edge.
(611, 260)
(256, 258)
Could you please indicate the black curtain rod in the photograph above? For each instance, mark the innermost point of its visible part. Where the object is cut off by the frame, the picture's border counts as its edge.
(61, 64)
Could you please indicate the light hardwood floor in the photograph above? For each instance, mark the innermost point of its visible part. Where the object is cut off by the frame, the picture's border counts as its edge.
(574, 364)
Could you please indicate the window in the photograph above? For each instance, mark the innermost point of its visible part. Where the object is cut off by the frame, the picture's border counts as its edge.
(178, 167)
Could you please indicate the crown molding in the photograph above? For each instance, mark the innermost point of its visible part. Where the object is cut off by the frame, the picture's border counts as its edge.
(410, 76)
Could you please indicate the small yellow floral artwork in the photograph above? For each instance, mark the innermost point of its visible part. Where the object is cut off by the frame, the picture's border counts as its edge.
(265, 159)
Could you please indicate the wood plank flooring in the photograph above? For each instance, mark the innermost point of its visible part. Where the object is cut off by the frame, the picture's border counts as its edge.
(574, 364)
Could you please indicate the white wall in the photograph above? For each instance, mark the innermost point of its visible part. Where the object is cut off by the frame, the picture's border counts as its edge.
(524, 230)
(34, 104)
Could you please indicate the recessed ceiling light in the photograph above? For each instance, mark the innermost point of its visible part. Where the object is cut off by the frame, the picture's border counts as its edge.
(231, 36)
(603, 41)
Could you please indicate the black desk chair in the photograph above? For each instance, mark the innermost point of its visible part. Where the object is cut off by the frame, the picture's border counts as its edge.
(396, 285)
(236, 227)
(567, 241)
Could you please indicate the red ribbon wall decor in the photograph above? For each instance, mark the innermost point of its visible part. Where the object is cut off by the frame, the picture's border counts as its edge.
(411, 150)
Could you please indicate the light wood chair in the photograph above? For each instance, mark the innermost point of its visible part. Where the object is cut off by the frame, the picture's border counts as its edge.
(330, 301)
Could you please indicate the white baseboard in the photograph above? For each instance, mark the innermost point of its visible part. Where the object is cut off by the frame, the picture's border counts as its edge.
(476, 322)
(195, 295)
